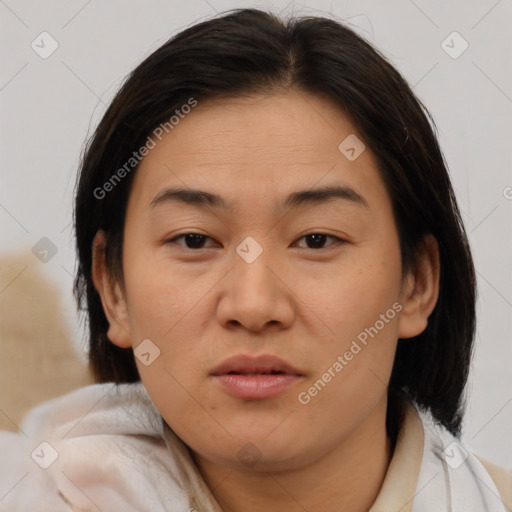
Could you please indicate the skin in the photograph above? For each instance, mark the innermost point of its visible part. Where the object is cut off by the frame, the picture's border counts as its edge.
(301, 303)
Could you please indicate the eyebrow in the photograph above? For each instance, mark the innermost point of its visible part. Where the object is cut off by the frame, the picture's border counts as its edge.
(295, 200)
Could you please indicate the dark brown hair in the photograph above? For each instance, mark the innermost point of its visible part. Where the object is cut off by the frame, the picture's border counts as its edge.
(250, 51)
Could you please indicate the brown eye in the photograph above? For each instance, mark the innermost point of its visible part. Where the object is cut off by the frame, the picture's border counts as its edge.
(192, 240)
(318, 240)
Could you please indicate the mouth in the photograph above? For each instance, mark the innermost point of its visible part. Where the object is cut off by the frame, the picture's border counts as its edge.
(250, 378)
(257, 373)
(249, 365)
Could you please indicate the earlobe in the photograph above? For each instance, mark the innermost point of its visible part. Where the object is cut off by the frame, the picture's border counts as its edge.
(111, 294)
(420, 290)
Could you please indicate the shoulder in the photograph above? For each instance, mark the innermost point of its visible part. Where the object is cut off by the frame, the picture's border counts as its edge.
(99, 446)
(502, 478)
(450, 468)
(86, 407)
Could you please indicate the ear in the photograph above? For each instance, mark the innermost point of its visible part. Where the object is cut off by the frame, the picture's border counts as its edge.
(111, 293)
(420, 291)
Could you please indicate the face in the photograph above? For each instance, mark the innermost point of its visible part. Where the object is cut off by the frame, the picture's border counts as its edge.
(296, 266)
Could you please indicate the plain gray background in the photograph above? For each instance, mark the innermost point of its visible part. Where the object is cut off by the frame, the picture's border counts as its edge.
(48, 106)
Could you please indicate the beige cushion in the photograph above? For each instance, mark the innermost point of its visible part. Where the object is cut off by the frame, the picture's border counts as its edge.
(37, 359)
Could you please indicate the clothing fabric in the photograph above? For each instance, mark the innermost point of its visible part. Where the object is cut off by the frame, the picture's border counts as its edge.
(106, 447)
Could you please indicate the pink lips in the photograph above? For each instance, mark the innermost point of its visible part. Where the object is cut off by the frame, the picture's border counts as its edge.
(255, 378)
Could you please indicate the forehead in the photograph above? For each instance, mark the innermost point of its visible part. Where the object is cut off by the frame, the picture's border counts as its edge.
(259, 148)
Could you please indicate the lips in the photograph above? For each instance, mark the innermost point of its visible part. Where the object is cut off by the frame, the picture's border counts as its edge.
(255, 378)
(262, 365)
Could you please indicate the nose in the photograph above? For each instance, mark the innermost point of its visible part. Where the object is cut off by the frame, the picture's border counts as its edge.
(256, 296)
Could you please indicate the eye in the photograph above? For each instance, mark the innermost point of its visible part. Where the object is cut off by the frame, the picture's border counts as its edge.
(192, 240)
(197, 241)
(317, 240)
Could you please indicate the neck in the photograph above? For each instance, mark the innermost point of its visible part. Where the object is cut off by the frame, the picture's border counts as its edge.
(348, 478)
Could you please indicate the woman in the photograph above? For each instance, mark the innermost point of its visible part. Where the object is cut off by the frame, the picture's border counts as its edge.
(280, 293)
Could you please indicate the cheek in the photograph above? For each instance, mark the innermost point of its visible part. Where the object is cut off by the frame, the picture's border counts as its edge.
(352, 296)
(362, 315)
(160, 295)
(169, 307)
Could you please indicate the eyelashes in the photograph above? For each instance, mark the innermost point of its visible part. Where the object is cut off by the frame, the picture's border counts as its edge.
(194, 238)
(196, 241)
(320, 237)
